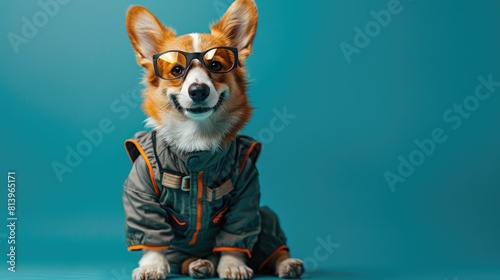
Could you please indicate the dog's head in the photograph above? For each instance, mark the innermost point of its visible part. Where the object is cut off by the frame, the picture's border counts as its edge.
(195, 93)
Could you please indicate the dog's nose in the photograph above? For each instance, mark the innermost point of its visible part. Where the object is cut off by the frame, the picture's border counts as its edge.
(198, 92)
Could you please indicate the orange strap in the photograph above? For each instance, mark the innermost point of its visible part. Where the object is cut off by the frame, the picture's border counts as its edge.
(132, 147)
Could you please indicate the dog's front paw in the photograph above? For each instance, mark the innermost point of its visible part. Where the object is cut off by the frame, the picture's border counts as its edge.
(201, 269)
(232, 266)
(152, 266)
(235, 271)
(151, 272)
(290, 268)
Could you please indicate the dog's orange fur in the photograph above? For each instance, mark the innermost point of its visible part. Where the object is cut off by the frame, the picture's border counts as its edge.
(156, 102)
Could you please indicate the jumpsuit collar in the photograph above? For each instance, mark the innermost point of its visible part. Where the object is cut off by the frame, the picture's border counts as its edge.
(198, 161)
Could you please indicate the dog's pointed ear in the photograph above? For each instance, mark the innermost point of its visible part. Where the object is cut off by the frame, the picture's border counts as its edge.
(146, 33)
(238, 25)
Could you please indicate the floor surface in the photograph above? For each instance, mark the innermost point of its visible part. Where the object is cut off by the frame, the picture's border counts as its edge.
(89, 273)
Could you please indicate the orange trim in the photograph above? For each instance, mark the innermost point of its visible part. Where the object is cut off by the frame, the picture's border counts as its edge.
(242, 250)
(177, 221)
(219, 216)
(199, 210)
(140, 247)
(280, 248)
(247, 154)
(148, 163)
(185, 265)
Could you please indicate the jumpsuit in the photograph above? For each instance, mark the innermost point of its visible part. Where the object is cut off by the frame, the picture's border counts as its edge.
(196, 205)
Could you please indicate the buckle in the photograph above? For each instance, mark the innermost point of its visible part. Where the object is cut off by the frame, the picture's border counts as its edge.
(185, 183)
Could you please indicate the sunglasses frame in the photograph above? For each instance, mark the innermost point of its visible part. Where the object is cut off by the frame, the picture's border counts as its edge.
(196, 55)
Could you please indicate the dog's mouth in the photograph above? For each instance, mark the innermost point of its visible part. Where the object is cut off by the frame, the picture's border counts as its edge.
(198, 112)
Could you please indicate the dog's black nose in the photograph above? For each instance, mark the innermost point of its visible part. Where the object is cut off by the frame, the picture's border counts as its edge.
(198, 92)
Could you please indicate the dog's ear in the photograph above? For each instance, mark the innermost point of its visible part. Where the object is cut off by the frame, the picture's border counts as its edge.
(146, 33)
(238, 25)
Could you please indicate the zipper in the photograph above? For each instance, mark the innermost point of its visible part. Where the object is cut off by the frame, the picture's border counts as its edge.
(199, 209)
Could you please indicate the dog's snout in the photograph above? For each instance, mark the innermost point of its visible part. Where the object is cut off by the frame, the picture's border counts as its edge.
(198, 92)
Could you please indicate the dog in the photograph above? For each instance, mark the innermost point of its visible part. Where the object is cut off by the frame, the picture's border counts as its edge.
(192, 197)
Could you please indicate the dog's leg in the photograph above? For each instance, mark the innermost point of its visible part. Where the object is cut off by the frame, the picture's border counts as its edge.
(286, 267)
(152, 266)
(232, 266)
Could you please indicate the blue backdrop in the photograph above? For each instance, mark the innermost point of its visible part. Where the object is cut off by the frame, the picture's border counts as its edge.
(379, 119)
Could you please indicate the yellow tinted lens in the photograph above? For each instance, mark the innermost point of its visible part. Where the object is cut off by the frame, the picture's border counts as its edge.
(219, 60)
(171, 65)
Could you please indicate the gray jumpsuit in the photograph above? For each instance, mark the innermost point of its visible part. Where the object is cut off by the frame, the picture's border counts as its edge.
(198, 204)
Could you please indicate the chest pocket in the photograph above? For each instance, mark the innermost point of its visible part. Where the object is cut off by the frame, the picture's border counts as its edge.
(218, 201)
(175, 201)
(177, 221)
(175, 193)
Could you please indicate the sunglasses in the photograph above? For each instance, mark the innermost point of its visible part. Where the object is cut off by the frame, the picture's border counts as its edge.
(171, 65)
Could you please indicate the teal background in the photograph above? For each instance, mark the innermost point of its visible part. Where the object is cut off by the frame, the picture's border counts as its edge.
(323, 172)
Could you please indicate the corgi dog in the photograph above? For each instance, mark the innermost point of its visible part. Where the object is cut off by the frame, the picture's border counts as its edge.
(195, 98)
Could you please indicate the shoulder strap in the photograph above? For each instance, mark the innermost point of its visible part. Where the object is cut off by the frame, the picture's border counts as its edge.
(135, 150)
(253, 153)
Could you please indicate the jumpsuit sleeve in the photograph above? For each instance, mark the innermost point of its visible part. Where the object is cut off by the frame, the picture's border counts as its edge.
(145, 220)
(242, 220)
